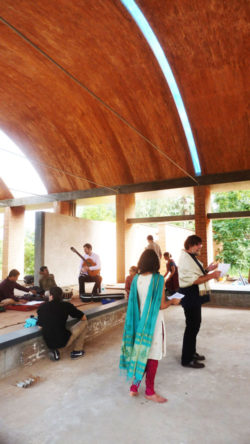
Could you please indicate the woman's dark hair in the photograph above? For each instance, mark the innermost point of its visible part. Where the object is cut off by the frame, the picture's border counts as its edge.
(191, 241)
(167, 254)
(149, 262)
(56, 293)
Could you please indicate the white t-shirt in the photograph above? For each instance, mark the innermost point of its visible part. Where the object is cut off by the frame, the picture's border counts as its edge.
(95, 258)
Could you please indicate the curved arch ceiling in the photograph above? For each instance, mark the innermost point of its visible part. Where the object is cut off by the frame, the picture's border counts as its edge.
(205, 42)
(54, 119)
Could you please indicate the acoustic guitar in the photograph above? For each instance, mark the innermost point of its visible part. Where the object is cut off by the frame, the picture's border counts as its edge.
(87, 262)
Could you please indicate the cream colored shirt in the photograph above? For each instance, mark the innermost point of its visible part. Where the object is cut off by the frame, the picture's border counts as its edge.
(189, 272)
(154, 246)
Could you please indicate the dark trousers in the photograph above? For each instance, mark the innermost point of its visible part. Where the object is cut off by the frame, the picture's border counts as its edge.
(87, 278)
(193, 322)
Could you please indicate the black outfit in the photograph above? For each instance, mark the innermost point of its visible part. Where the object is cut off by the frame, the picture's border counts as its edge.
(192, 308)
(191, 304)
(52, 317)
(86, 278)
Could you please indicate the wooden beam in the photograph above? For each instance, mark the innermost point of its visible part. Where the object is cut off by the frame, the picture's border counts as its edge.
(182, 182)
(55, 197)
(224, 215)
(229, 215)
(141, 220)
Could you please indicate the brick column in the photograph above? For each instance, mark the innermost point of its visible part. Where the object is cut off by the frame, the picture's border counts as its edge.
(125, 206)
(68, 208)
(162, 243)
(13, 240)
(203, 225)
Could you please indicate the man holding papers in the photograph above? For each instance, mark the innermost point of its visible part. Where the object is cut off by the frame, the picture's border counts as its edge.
(193, 282)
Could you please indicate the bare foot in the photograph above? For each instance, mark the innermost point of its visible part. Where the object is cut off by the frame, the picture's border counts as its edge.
(133, 393)
(156, 398)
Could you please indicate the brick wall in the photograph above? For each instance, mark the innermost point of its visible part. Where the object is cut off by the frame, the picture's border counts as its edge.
(13, 240)
(30, 351)
(203, 226)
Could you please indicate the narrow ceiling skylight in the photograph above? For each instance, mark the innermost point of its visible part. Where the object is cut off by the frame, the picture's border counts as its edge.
(162, 60)
(16, 170)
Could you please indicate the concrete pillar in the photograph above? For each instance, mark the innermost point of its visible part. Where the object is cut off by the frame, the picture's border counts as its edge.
(39, 244)
(68, 208)
(13, 240)
(125, 207)
(203, 225)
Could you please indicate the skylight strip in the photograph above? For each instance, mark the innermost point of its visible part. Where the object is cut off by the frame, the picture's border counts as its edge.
(154, 44)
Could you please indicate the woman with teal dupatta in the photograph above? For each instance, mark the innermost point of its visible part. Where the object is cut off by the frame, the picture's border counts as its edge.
(144, 330)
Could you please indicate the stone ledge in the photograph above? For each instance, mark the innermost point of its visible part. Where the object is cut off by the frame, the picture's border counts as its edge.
(230, 298)
(26, 346)
(24, 334)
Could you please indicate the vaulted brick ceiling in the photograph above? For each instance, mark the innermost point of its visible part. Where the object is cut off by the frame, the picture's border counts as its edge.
(55, 120)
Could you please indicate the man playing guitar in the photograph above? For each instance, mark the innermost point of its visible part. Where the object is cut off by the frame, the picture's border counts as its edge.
(90, 273)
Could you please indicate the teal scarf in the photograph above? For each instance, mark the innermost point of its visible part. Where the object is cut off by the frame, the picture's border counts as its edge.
(138, 332)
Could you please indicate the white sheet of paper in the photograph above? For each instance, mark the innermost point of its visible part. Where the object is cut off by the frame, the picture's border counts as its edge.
(34, 302)
(176, 296)
(223, 268)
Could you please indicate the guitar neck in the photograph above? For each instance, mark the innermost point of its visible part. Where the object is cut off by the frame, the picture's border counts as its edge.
(75, 251)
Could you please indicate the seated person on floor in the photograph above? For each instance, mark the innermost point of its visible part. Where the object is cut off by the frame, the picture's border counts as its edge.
(132, 272)
(90, 268)
(52, 317)
(7, 287)
(46, 281)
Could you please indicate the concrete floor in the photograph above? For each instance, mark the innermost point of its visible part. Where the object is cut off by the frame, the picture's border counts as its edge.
(86, 401)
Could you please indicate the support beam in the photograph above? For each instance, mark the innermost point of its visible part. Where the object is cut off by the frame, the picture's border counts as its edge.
(182, 182)
(223, 215)
(39, 244)
(68, 208)
(203, 225)
(141, 220)
(125, 206)
(229, 215)
(13, 240)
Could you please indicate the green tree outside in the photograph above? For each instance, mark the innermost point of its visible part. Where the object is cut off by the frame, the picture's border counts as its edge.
(99, 212)
(29, 253)
(233, 234)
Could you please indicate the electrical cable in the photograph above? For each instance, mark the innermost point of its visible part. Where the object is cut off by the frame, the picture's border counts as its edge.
(27, 40)
(67, 173)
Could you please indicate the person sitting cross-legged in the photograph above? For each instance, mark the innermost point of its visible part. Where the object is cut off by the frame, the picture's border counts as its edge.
(52, 317)
(7, 287)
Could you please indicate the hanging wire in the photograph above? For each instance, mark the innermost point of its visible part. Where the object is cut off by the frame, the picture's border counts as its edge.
(68, 173)
(27, 40)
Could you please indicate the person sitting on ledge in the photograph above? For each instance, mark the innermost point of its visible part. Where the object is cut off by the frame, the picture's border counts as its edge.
(7, 287)
(132, 272)
(47, 280)
(52, 317)
(88, 272)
